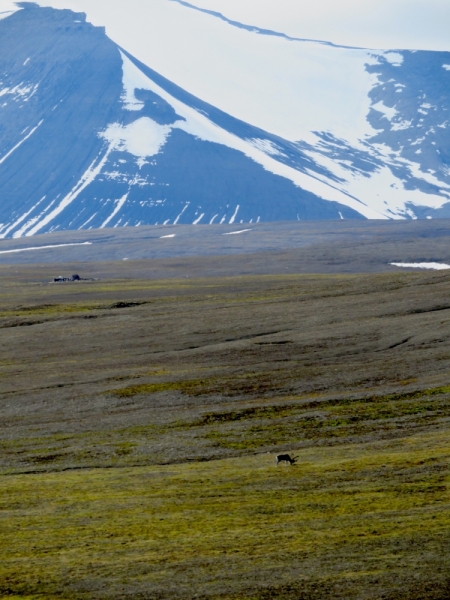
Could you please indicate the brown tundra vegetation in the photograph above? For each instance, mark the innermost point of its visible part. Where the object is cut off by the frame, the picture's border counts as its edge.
(141, 419)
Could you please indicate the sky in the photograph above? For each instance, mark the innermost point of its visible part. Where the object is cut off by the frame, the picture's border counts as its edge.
(378, 24)
(402, 24)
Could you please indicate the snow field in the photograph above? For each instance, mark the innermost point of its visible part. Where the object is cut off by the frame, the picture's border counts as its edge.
(201, 127)
(304, 85)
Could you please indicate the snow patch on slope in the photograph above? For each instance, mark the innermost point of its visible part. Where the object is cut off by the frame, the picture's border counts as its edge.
(266, 146)
(388, 112)
(394, 58)
(431, 265)
(382, 189)
(237, 232)
(142, 138)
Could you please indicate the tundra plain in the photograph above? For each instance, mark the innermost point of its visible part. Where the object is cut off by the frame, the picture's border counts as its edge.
(140, 420)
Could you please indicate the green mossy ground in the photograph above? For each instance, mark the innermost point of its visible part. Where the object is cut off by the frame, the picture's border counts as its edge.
(140, 423)
(342, 516)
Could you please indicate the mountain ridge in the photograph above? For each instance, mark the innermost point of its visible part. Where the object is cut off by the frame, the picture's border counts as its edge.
(90, 136)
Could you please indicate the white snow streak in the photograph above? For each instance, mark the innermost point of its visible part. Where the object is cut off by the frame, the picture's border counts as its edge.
(432, 265)
(20, 143)
(20, 232)
(21, 219)
(44, 247)
(237, 232)
(129, 99)
(178, 218)
(88, 221)
(88, 177)
(266, 146)
(119, 205)
(233, 218)
(197, 221)
(20, 92)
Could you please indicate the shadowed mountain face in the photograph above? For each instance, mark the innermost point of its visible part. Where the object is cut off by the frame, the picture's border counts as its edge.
(90, 138)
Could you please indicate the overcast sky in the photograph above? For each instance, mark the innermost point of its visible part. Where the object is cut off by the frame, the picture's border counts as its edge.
(415, 24)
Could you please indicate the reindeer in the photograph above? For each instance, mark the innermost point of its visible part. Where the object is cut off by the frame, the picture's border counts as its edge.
(286, 458)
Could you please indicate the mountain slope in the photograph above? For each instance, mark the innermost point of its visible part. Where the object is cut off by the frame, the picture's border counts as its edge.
(91, 136)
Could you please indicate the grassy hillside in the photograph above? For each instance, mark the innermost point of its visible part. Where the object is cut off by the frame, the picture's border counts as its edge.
(140, 422)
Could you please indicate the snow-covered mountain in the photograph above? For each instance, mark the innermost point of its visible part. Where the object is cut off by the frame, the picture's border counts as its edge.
(178, 114)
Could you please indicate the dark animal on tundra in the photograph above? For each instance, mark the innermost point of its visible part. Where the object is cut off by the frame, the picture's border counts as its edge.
(286, 458)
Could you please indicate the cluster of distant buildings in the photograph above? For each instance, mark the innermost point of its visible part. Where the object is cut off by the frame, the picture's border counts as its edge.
(61, 279)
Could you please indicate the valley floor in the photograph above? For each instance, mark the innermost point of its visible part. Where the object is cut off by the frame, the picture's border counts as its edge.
(140, 420)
